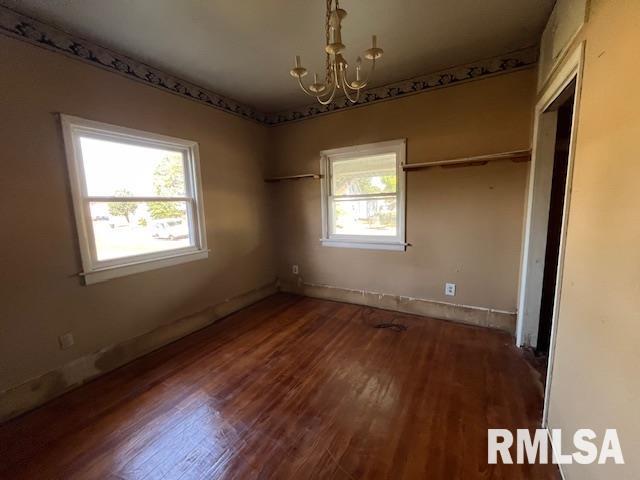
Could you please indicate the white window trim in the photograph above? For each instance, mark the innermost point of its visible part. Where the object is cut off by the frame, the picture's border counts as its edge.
(328, 239)
(97, 271)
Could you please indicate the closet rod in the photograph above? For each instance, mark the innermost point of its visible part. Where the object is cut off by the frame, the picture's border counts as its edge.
(516, 155)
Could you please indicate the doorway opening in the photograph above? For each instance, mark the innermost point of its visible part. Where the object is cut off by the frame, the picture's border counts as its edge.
(564, 122)
(547, 212)
(546, 220)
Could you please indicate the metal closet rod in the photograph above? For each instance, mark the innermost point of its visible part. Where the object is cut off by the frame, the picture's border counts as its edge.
(515, 155)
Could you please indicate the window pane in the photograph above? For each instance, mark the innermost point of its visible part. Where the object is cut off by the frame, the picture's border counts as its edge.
(121, 169)
(364, 175)
(123, 229)
(365, 217)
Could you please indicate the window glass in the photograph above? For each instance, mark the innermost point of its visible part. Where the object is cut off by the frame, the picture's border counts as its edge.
(377, 216)
(121, 169)
(364, 175)
(125, 229)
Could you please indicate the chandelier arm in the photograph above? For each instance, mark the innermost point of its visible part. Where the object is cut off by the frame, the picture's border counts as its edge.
(304, 89)
(369, 73)
(335, 85)
(346, 90)
(330, 99)
(357, 96)
(307, 91)
(347, 84)
(317, 96)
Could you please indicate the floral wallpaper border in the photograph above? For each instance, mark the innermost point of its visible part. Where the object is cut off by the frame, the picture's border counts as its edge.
(505, 63)
(33, 31)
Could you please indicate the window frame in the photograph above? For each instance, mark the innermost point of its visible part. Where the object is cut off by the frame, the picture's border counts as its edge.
(373, 242)
(94, 270)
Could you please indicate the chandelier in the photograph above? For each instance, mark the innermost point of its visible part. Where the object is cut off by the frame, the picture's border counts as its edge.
(336, 66)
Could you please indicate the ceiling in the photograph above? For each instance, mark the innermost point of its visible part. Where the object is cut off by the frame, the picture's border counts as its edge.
(244, 49)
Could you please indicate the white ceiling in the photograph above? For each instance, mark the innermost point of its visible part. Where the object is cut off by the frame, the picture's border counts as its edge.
(244, 49)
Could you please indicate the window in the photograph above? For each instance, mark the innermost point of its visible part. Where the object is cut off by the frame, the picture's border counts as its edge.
(363, 196)
(136, 197)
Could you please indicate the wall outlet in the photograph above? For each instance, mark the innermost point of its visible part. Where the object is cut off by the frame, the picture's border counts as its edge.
(450, 289)
(295, 270)
(66, 341)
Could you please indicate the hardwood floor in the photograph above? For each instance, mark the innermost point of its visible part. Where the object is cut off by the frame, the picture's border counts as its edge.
(291, 388)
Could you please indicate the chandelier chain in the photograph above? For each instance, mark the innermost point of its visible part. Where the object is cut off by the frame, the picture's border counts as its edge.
(328, 40)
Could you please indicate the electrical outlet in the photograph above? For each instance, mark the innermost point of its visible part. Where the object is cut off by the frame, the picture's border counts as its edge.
(450, 289)
(66, 341)
(295, 270)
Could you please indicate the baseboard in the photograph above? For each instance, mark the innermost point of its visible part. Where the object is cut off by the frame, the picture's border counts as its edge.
(41, 389)
(470, 315)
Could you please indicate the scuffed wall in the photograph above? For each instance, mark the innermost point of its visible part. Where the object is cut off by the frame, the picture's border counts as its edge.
(595, 381)
(41, 294)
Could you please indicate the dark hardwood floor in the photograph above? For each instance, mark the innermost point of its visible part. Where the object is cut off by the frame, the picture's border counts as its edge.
(291, 388)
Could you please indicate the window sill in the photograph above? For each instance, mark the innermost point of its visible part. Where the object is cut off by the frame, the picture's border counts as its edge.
(394, 246)
(107, 273)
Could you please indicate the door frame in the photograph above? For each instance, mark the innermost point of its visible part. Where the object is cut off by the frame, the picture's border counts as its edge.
(570, 70)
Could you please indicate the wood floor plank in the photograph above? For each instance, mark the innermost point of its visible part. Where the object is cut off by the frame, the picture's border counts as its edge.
(291, 387)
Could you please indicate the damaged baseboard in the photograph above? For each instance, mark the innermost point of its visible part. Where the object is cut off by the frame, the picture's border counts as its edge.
(470, 315)
(41, 389)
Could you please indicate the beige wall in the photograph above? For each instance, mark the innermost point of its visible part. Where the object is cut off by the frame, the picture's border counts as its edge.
(464, 224)
(596, 376)
(41, 295)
